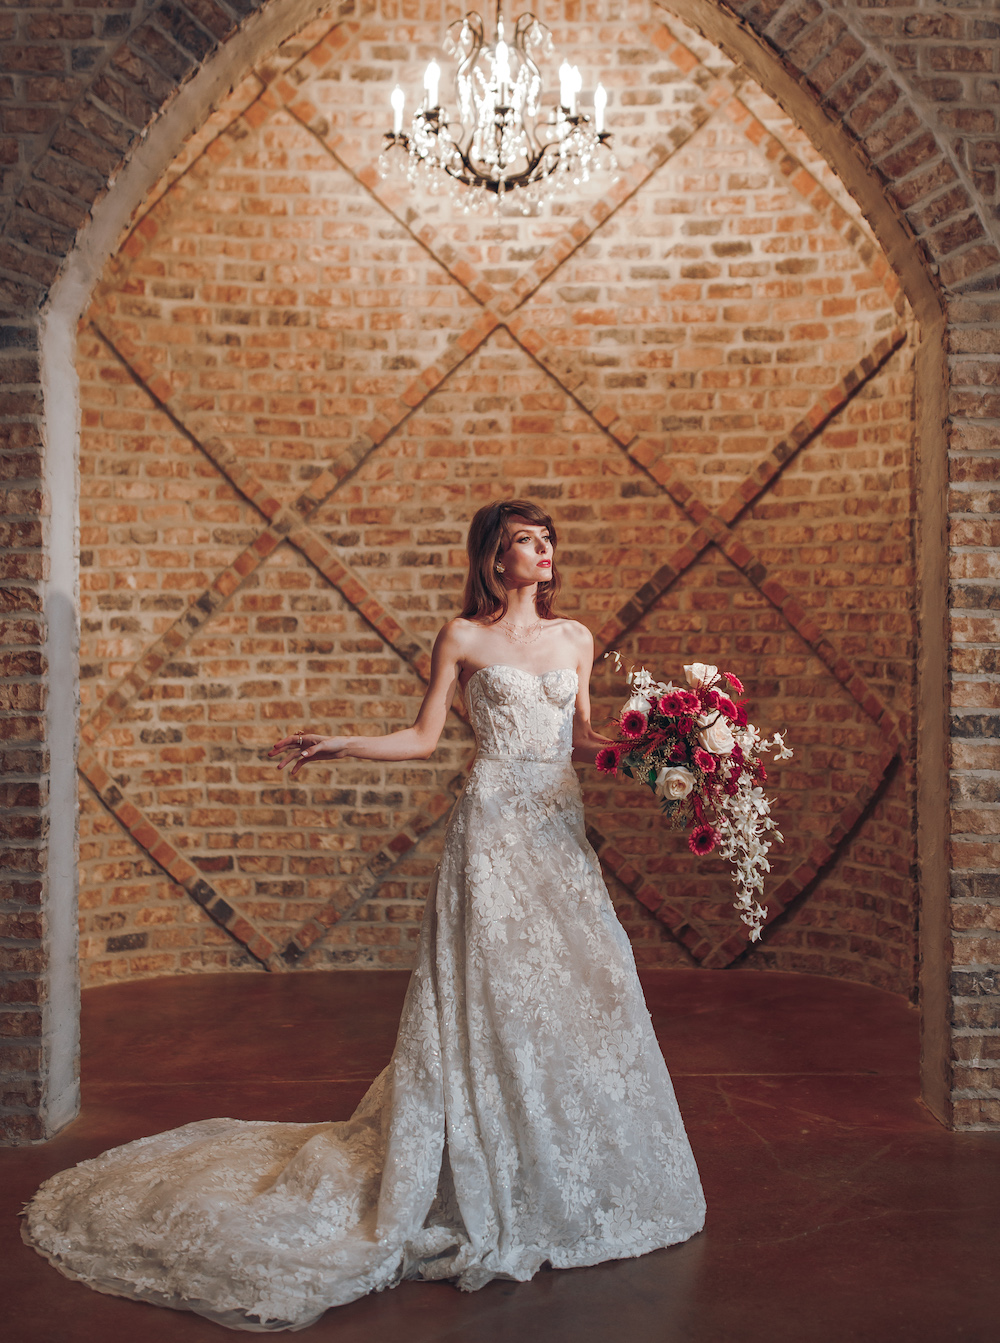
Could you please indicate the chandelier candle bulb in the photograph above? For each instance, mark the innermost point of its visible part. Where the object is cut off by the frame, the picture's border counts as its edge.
(600, 103)
(398, 100)
(566, 86)
(501, 66)
(432, 81)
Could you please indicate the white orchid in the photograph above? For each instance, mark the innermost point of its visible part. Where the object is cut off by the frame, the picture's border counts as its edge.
(748, 739)
(643, 684)
(777, 745)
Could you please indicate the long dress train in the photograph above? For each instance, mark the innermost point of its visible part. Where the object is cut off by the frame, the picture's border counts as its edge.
(526, 1115)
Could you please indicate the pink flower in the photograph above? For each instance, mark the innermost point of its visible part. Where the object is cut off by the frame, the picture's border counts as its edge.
(633, 723)
(760, 772)
(703, 839)
(704, 760)
(607, 760)
(734, 681)
(692, 704)
(672, 703)
(726, 706)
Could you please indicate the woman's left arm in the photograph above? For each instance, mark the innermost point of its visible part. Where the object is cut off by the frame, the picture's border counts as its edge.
(586, 741)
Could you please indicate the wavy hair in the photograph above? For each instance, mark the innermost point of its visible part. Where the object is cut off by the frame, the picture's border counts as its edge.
(489, 532)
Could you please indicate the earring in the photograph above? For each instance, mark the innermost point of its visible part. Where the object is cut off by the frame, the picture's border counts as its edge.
(499, 568)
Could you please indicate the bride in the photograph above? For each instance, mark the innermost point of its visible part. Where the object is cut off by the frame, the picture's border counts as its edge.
(526, 1117)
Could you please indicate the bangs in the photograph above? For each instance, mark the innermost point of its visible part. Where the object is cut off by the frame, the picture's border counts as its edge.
(524, 511)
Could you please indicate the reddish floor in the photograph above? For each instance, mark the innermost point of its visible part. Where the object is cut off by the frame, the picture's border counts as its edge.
(838, 1208)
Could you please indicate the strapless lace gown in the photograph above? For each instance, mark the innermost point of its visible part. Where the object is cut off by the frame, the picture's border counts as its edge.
(526, 1116)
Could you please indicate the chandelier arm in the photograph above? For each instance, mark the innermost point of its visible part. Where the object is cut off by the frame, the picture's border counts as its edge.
(477, 38)
(535, 171)
(525, 22)
(474, 22)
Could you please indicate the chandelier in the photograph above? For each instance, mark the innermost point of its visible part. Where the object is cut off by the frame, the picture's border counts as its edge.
(502, 139)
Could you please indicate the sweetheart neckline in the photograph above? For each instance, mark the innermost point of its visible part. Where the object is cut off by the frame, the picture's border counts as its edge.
(538, 676)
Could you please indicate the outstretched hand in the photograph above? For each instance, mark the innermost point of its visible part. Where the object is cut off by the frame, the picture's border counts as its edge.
(304, 747)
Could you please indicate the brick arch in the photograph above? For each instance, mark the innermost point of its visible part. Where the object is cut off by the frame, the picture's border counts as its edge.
(66, 154)
(162, 49)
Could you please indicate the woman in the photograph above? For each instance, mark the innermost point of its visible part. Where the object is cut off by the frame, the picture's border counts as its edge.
(526, 1116)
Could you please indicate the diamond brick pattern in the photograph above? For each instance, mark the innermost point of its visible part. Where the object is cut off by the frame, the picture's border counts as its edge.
(183, 766)
(156, 536)
(363, 368)
(499, 424)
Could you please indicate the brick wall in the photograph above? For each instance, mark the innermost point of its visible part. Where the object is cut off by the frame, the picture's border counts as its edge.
(709, 387)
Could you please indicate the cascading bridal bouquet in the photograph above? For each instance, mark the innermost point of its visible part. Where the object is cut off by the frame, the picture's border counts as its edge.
(694, 747)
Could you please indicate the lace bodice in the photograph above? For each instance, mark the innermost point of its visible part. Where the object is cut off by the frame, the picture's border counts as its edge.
(523, 714)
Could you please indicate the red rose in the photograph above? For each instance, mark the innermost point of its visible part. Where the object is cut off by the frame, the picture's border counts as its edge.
(709, 700)
(703, 839)
(633, 723)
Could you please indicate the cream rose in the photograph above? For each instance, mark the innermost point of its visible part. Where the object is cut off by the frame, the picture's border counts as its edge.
(700, 674)
(639, 702)
(674, 781)
(717, 737)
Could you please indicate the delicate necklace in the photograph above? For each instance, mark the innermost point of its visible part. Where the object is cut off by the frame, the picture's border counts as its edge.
(520, 634)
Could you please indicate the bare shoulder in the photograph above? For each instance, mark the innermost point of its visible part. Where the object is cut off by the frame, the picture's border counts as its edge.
(578, 634)
(455, 636)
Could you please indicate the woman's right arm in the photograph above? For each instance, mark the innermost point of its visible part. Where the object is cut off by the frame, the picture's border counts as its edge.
(412, 743)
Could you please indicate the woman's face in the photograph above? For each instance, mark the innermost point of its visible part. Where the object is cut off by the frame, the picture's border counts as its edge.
(527, 557)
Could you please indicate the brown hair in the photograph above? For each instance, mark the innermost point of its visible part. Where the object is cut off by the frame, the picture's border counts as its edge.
(489, 532)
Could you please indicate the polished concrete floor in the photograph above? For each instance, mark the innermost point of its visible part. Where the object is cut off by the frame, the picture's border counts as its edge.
(839, 1210)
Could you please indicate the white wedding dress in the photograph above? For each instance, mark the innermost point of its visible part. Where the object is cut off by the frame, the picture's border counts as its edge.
(526, 1116)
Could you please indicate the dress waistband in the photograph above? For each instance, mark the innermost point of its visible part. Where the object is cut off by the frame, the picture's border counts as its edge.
(522, 759)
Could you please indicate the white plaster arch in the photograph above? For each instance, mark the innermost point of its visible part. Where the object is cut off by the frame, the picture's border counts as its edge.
(57, 329)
